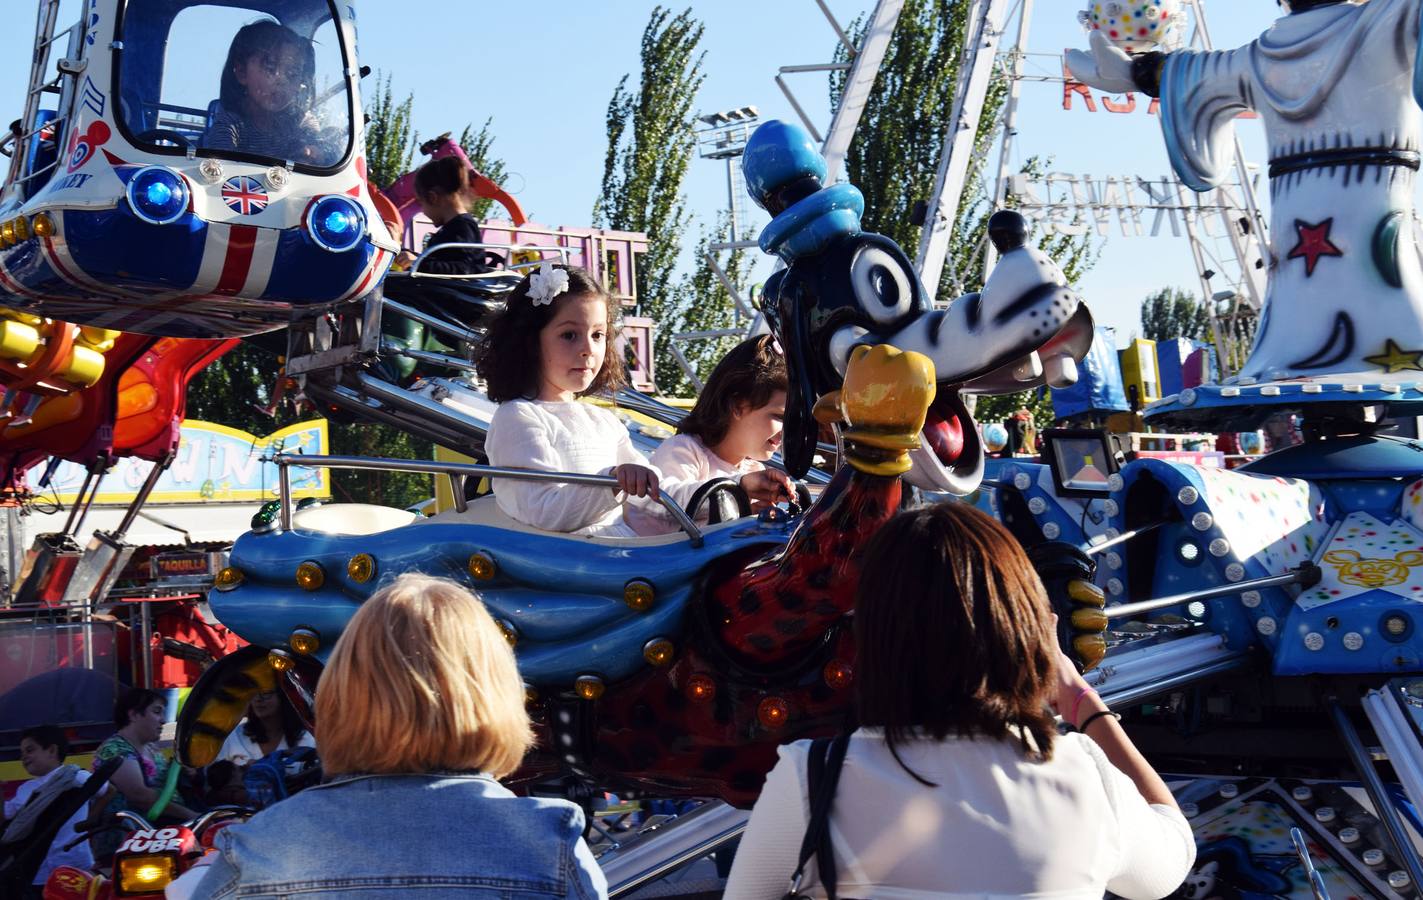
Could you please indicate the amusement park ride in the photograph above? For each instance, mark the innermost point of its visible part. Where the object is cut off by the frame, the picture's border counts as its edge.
(1247, 621)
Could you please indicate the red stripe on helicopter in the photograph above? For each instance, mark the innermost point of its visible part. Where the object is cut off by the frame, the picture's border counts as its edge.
(360, 289)
(10, 284)
(240, 244)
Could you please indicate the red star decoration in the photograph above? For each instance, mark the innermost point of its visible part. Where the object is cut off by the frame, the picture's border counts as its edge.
(1313, 243)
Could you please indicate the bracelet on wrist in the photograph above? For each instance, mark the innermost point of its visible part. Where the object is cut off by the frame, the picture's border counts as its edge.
(1098, 715)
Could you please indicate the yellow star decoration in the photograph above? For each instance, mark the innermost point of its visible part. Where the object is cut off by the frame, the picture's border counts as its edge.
(1395, 359)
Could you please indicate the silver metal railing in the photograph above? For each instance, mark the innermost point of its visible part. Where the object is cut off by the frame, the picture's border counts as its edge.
(454, 471)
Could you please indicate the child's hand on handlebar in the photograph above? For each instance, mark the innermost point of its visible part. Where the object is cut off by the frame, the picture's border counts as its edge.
(636, 481)
(767, 487)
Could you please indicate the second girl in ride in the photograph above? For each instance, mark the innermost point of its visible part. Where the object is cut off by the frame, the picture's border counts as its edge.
(733, 428)
(550, 347)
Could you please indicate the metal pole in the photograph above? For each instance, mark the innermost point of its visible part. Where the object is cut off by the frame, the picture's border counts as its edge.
(1010, 126)
(376, 464)
(1094, 549)
(731, 162)
(1378, 793)
(146, 635)
(88, 501)
(79, 500)
(284, 491)
(984, 28)
(864, 68)
(142, 497)
(1307, 574)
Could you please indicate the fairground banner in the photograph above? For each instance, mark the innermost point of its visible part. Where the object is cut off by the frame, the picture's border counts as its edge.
(214, 463)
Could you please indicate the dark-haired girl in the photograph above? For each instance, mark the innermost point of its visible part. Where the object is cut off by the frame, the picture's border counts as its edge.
(956, 783)
(266, 98)
(547, 349)
(441, 188)
(733, 428)
(270, 725)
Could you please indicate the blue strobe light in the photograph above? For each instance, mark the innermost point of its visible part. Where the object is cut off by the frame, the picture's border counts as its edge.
(336, 223)
(158, 195)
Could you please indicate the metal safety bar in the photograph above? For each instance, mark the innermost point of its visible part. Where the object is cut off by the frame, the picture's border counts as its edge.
(410, 312)
(414, 270)
(1307, 575)
(1373, 785)
(453, 470)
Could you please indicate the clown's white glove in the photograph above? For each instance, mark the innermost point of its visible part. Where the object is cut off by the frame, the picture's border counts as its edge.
(1107, 67)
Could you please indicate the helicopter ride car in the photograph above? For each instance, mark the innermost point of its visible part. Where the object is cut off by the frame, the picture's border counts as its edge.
(201, 172)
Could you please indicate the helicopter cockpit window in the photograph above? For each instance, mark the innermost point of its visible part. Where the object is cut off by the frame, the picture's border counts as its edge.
(260, 80)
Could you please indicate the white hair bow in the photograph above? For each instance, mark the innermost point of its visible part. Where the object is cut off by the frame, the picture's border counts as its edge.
(547, 283)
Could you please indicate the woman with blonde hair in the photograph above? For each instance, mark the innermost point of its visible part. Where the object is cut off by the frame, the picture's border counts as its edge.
(419, 711)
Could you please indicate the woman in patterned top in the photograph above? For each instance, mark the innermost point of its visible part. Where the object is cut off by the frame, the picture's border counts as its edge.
(265, 102)
(139, 780)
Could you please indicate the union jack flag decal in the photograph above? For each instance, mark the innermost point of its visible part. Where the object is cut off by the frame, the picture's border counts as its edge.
(243, 195)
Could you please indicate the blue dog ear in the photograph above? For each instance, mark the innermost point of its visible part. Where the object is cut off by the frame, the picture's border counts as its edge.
(779, 154)
(785, 175)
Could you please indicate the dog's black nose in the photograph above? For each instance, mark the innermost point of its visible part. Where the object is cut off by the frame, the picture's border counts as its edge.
(1007, 230)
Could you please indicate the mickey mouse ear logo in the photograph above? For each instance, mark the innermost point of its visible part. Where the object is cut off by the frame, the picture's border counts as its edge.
(85, 145)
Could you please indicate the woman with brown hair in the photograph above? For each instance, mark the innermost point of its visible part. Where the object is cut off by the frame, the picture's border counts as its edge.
(956, 782)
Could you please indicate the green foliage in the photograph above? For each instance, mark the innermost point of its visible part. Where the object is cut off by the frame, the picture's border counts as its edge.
(1173, 313)
(390, 134)
(895, 157)
(650, 146)
(479, 147)
(702, 303)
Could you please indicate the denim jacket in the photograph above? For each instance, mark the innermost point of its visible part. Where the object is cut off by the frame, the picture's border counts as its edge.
(406, 836)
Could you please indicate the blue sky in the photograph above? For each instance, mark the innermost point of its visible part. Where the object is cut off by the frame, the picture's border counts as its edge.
(545, 78)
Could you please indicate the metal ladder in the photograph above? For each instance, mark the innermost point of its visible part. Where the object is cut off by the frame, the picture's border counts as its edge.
(41, 82)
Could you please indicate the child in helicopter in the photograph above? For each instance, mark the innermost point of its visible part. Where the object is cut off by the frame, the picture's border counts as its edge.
(441, 187)
(266, 98)
(734, 426)
(549, 347)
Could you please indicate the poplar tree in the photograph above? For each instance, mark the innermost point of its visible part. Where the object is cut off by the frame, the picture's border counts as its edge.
(895, 155)
(1174, 313)
(650, 144)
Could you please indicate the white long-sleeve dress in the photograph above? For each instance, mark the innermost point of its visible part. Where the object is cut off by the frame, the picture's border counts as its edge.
(997, 825)
(560, 437)
(685, 464)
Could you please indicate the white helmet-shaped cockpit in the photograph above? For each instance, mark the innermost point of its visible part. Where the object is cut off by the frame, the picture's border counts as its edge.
(257, 80)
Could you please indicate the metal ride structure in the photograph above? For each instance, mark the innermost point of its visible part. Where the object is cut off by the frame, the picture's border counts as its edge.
(673, 666)
(997, 46)
(1231, 270)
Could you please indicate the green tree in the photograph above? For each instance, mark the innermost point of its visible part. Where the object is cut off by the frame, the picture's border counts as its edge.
(1174, 313)
(704, 304)
(650, 145)
(390, 134)
(479, 147)
(895, 157)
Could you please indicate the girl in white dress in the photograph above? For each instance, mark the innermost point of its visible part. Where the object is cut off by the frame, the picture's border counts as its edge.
(733, 428)
(548, 349)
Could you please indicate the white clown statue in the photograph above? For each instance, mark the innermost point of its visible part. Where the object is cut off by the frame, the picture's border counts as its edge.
(1337, 85)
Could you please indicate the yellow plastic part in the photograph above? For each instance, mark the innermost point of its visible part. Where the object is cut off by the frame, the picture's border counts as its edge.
(1139, 368)
(17, 340)
(101, 339)
(84, 367)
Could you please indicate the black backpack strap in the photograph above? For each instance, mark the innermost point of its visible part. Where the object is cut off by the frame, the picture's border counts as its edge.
(825, 850)
(814, 774)
(826, 758)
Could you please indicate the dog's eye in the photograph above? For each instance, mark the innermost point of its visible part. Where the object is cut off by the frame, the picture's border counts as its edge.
(883, 285)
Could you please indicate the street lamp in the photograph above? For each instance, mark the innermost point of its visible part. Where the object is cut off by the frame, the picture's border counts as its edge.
(723, 135)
